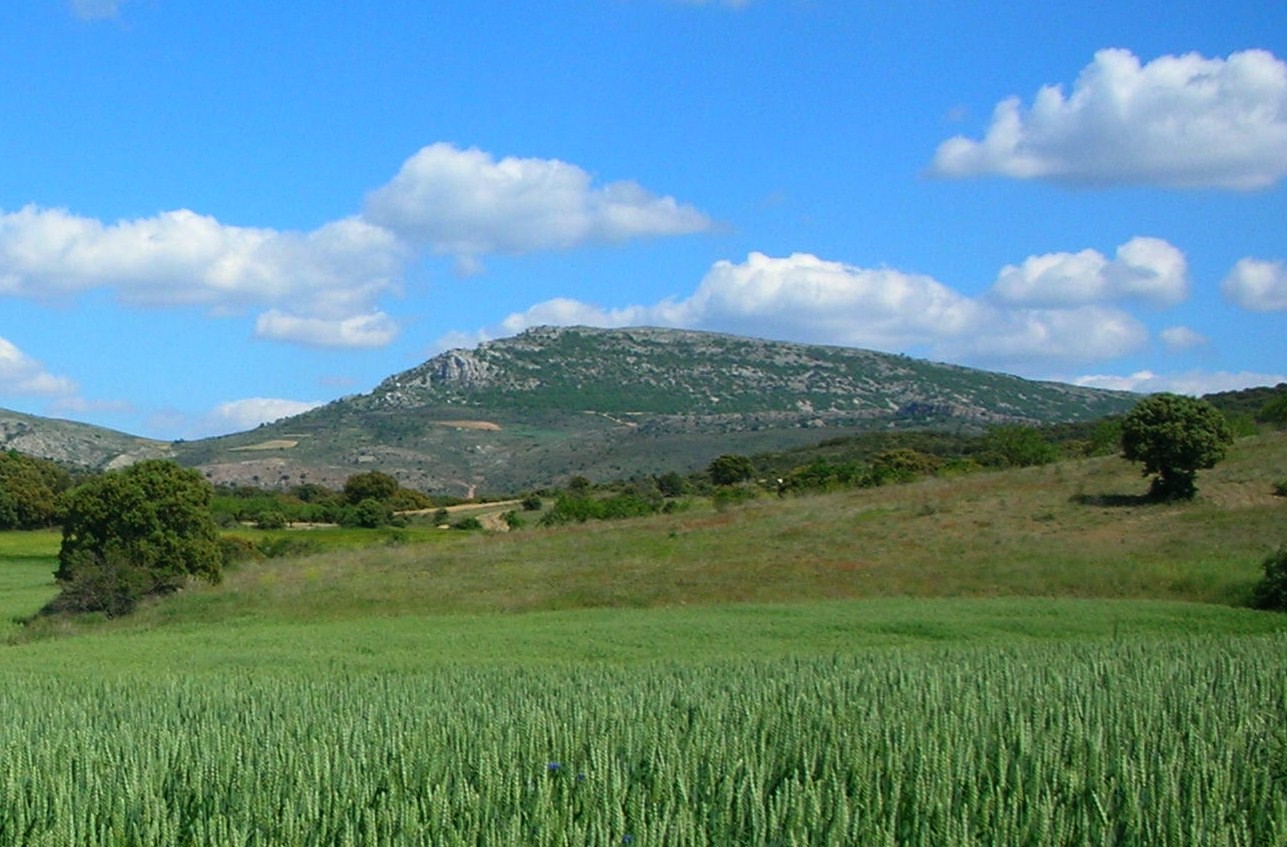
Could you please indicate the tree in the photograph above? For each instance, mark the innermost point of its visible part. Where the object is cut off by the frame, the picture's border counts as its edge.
(731, 469)
(1174, 437)
(369, 486)
(135, 532)
(1271, 592)
(29, 489)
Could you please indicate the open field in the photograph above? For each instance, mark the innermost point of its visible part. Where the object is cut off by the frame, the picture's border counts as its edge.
(1033, 657)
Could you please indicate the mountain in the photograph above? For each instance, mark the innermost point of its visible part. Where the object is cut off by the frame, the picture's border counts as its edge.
(530, 410)
(75, 444)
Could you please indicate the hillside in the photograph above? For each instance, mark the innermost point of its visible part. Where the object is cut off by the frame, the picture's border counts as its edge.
(530, 410)
(74, 444)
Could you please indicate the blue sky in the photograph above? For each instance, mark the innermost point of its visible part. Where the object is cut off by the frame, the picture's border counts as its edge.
(214, 214)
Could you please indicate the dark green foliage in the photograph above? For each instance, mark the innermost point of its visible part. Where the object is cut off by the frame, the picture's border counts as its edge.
(271, 519)
(143, 530)
(29, 489)
(469, 523)
(532, 503)
(672, 484)
(1174, 436)
(103, 581)
(1274, 412)
(579, 486)
(409, 500)
(1017, 447)
(369, 514)
(730, 469)
(1271, 592)
(573, 509)
(1250, 401)
(902, 465)
(373, 485)
(513, 519)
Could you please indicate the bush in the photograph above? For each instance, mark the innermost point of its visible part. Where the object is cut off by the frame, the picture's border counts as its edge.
(469, 523)
(271, 519)
(1271, 592)
(142, 530)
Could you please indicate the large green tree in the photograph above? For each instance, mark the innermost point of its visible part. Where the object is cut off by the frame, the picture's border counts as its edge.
(29, 489)
(135, 532)
(1174, 436)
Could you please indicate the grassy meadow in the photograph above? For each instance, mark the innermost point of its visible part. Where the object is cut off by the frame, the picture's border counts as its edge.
(1030, 657)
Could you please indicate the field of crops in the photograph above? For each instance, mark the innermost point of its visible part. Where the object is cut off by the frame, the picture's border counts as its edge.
(1135, 741)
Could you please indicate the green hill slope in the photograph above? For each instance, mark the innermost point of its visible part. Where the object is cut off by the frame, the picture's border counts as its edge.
(529, 411)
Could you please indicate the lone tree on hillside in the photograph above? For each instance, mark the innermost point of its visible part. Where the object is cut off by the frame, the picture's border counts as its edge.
(132, 533)
(730, 469)
(1174, 437)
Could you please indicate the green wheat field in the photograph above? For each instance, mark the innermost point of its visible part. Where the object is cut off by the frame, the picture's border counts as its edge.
(1025, 658)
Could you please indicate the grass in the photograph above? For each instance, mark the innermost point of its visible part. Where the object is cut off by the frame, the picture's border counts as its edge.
(1032, 657)
(1072, 530)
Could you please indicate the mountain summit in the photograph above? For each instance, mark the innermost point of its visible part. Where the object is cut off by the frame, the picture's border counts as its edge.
(530, 410)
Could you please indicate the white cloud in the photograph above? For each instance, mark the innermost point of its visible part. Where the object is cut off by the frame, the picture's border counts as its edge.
(465, 203)
(253, 411)
(804, 298)
(21, 374)
(1193, 383)
(375, 329)
(182, 258)
(93, 10)
(324, 287)
(1182, 338)
(1015, 339)
(1178, 121)
(1144, 268)
(1257, 285)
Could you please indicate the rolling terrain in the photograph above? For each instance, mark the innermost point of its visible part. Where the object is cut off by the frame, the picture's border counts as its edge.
(529, 411)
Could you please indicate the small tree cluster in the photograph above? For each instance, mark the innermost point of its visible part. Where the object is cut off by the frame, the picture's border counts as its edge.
(29, 491)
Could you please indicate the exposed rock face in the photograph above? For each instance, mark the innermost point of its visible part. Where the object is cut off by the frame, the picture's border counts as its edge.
(75, 444)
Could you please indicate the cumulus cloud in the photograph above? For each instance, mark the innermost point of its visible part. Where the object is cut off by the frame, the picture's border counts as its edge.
(323, 287)
(1148, 269)
(1193, 383)
(1182, 338)
(370, 330)
(1258, 285)
(181, 258)
(251, 412)
(802, 297)
(21, 374)
(1177, 121)
(466, 203)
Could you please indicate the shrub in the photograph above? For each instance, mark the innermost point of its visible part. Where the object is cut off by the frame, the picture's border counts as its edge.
(271, 519)
(469, 523)
(144, 529)
(532, 503)
(1271, 592)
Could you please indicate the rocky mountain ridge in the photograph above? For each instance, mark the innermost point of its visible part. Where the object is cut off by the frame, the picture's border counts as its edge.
(531, 410)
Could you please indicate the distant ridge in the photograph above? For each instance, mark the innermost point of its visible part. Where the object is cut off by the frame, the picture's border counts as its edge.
(530, 410)
(75, 444)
